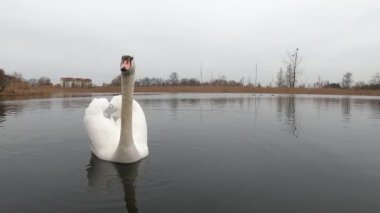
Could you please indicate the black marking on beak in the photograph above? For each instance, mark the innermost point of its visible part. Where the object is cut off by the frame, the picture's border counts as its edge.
(129, 59)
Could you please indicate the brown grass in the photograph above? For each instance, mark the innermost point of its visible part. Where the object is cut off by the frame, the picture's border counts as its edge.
(18, 88)
(22, 89)
(242, 89)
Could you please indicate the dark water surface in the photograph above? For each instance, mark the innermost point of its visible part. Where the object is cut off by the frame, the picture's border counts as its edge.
(208, 153)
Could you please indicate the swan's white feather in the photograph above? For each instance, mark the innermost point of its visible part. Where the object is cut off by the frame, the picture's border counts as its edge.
(104, 132)
(116, 102)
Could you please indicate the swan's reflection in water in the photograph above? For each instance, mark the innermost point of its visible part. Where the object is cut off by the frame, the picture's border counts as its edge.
(102, 175)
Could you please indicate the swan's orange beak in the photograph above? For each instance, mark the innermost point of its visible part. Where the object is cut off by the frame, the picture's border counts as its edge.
(126, 63)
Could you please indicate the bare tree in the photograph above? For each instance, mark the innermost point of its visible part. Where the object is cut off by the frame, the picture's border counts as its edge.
(190, 82)
(2, 79)
(319, 83)
(44, 81)
(17, 77)
(116, 81)
(360, 85)
(174, 78)
(292, 68)
(375, 81)
(280, 78)
(289, 76)
(347, 80)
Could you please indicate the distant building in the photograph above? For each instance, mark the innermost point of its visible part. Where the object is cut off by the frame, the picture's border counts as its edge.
(76, 82)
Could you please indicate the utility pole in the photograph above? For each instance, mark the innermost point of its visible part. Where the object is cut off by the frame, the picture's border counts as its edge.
(201, 73)
(256, 76)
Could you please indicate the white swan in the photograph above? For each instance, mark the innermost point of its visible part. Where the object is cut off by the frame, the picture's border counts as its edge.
(122, 135)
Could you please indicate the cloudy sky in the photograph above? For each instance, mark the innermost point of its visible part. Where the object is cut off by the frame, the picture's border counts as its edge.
(86, 38)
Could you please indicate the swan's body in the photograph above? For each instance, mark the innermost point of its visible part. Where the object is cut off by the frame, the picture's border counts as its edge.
(122, 135)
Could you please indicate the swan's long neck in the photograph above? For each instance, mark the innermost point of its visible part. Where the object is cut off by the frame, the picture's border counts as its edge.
(127, 85)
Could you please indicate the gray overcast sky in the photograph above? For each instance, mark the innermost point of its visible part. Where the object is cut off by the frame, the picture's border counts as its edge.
(86, 38)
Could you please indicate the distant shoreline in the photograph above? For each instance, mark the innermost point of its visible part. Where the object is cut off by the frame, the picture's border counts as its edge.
(50, 90)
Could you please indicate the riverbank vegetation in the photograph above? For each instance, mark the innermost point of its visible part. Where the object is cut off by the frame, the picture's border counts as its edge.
(15, 85)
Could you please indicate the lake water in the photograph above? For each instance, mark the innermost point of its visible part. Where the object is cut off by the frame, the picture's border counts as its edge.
(208, 153)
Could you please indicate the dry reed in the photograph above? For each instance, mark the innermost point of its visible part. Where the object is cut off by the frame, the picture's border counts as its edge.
(23, 89)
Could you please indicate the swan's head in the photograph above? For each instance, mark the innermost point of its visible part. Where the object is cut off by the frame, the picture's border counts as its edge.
(127, 65)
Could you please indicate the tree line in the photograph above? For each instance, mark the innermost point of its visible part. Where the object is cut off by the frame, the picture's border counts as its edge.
(175, 80)
(346, 82)
(289, 77)
(16, 77)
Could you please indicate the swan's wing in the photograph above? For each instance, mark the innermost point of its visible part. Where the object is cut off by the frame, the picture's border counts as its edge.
(103, 132)
(116, 103)
(139, 129)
